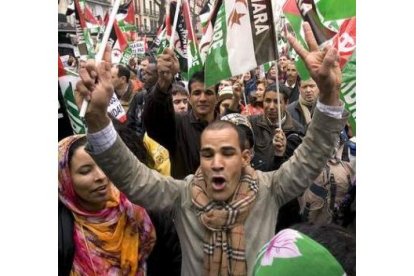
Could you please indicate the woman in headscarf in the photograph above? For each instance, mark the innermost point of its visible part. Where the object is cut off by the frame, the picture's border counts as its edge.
(111, 236)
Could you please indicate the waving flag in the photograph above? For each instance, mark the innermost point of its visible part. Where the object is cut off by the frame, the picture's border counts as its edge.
(345, 42)
(85, 44)
(205, 13)
(298, 11)
(67, 81)
(91, 22)
(243, 38)
(180, 37)
(126, 21)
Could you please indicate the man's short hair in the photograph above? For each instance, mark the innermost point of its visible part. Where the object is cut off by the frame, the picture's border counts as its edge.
(283, 90)
(219, 125)
(123, 71)
(179, 89)
(196, 77)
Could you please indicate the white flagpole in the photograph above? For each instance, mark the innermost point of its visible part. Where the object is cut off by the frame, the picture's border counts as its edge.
(177, 9)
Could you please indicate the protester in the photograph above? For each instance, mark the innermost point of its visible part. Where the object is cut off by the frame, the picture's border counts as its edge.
(107, 233)
(137, 105)
(123, 86)
(136, 83)
(271, 74)
(249, 82)
(266, 127)
(225, 98)
(180, 98)
(282, 65)
(292, 81)
(301, 109)
(255, 106)
(179, 133)
(226, 203)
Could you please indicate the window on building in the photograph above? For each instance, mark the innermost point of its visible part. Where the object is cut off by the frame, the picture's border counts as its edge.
(150, 7)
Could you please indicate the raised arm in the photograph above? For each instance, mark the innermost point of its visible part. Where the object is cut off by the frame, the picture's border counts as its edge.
(140, 184)
(158, 115)
(310, 157)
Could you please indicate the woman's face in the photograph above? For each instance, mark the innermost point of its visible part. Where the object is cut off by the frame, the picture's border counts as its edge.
(259, 92)
(247, 76)
(273, 71)
(89, 182)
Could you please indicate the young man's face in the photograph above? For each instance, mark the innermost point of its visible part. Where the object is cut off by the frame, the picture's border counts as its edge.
(150, 76)
(221, 161)
(308, 90)
(180, 103)
(117, 81)
(283, 62)
(291, 72)
(270, 105)
(202, 100)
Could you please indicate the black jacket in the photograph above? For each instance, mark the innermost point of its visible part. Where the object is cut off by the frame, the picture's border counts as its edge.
(134, 114)
(65, 240)
(264, 158)
(178, 133)
(165, 257)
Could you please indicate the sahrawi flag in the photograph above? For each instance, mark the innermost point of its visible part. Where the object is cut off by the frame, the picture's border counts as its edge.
(243, 38)
(67, 82)
(205, 13)
(298, 11)
(91, 22)
(180, 37)
(345, 42)
(118, 42)
(85, 44)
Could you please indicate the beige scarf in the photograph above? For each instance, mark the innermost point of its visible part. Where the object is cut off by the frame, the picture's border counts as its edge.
(224, 242)
(306, 106)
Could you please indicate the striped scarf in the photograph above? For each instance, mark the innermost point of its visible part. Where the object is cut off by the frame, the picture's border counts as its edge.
(306, 108)
(224, 242)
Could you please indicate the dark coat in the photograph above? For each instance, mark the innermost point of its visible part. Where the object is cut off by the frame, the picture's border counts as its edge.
(296, 112)
(294, 92)
(264, 158)
(165, 257)
(66, 245)
(134, 114)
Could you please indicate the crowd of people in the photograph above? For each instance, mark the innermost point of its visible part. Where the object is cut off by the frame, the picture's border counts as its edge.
(252, 176)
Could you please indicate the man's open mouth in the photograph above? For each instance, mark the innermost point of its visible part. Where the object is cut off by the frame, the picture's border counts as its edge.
(218, 183)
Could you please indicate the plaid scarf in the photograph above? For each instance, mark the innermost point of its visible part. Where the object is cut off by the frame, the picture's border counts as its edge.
(224, 242)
